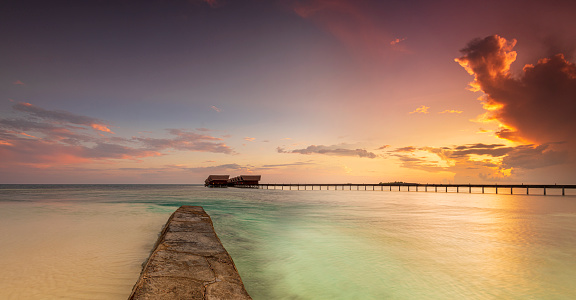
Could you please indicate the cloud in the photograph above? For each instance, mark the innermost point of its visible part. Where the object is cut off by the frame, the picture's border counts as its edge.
(210, 169)
(535, 157)
(224, 167)
(43, 138)
(250, 139)
(335, 150)
(536, 105)
(451, 111)
(185, 141)
(18, 82)
(396, 41)
(354, 23)
(482, 130)
(465, 151)
(55, 133)
(288, 165)
(383, 147)
(405, 149)
(422, 109)
(494, 150)
(61, 116)
(496, 161)
(44, 153)
(216, 109)
(213, 3)
(420, 163)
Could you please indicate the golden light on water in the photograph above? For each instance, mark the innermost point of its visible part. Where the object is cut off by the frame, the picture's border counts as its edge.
(58, 251)
(299, 244)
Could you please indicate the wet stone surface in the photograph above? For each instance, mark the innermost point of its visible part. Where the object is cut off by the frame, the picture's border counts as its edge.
(189, 262)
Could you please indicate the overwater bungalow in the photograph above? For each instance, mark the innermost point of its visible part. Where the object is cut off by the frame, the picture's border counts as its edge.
(244, 181)
(217, 181)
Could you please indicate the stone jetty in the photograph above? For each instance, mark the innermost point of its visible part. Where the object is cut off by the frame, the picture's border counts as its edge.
(189, 262)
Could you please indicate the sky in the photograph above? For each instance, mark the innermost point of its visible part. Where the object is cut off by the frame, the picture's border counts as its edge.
(298, 91)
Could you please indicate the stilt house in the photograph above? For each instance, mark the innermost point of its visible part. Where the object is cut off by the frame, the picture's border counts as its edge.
(244, 180)
(217, 181)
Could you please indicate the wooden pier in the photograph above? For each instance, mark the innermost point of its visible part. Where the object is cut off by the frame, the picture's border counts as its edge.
(417, 187)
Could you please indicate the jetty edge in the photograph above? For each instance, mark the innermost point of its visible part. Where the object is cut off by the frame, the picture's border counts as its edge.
(189, 262)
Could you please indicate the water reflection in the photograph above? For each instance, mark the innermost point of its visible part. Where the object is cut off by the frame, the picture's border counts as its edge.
(297, 244)
(423, 246)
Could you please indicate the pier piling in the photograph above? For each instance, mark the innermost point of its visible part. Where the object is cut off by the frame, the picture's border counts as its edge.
(408, 186)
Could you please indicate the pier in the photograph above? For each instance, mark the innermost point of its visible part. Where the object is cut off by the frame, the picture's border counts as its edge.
(424, 187)
(189, 262)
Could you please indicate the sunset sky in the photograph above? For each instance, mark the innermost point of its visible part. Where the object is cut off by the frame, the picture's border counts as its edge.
(299, 91)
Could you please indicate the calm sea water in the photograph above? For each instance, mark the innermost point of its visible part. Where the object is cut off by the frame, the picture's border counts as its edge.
(89, 241)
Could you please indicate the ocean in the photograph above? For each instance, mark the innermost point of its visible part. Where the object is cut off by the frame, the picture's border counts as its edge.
(89, 241)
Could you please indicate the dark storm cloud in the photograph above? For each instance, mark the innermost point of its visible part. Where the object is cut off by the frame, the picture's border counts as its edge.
(534, 157)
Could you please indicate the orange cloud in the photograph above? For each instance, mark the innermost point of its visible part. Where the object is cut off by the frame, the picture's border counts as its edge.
(25, 134)
(57, 140)
(405, 149)
(42, 153)
(18, 82)
(422, 109)
(61, 116)
(451, 111)
(250, 139)
(482, 130)
(101, 128)
(482, 161)
(536, 105)
(396, 41)
(216, 109)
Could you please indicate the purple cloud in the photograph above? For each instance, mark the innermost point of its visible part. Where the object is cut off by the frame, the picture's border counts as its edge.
(335, 150)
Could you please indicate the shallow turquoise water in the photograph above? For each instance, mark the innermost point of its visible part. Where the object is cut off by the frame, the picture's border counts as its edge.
(74, 242)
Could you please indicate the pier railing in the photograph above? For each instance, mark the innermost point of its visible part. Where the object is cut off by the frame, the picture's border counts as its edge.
(425, 187)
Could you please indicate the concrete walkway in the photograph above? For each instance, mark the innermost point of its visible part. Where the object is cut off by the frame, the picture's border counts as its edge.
(189, 262)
